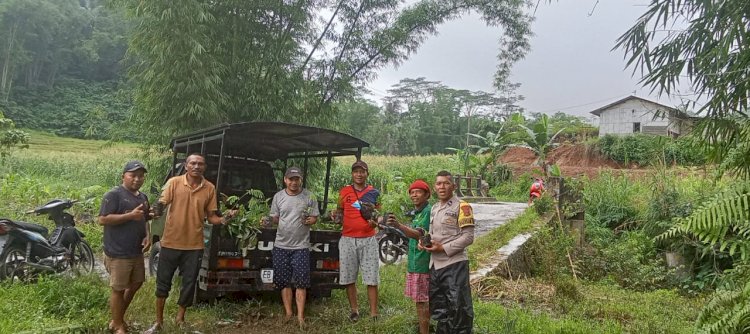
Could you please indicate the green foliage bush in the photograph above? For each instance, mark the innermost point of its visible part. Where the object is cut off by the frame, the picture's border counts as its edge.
(514, 189)
(727, 312)
(642, 149)
(612, 201)
(498, 174)
(544, 204)
(630, 259)
(547, 252)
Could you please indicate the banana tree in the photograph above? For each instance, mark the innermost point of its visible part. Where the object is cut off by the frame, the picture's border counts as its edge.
(469, 162)
(490, 147)
(539, 138)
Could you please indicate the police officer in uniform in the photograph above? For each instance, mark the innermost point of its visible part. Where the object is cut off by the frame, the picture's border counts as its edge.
(451, 230)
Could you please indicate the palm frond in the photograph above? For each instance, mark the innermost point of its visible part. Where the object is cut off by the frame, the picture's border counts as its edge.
(722, 222)
(727, 312)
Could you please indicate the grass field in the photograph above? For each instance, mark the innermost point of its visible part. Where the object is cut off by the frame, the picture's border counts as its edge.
(69, 168)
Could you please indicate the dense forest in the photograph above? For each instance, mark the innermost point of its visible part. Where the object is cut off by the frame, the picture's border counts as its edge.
(62, 66)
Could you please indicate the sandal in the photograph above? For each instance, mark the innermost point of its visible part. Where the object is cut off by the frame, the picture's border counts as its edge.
(155, 328)
(354, 316)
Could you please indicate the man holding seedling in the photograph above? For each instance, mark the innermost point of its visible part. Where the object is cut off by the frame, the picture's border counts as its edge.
(358, 248)
(294, 210)
(418, 270)
(123, 213)
(452, 230)
(192, 200)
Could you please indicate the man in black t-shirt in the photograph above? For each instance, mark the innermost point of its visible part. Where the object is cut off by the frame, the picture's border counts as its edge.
(123, 214)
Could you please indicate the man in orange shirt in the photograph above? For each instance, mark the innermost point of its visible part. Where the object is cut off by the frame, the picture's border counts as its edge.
(191, 199)
(358, 248)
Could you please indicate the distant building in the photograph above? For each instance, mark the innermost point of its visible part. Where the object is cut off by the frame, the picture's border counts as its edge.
(638, 115)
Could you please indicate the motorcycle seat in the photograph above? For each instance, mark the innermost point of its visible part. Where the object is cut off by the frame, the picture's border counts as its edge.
(33, 227)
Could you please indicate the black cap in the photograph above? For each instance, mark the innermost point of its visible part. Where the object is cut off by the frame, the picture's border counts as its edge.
(133, 166)
(360, 164)
(292, 172)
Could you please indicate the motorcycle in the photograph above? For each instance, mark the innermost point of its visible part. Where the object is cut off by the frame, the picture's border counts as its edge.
(393, 244)
(28, 250)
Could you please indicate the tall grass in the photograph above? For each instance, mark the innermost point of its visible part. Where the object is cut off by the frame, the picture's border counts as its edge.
(614, 200)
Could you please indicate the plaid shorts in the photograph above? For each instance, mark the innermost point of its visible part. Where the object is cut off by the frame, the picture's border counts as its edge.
(417, 287)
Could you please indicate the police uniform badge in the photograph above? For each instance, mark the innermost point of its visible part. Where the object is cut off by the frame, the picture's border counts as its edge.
(465, 215)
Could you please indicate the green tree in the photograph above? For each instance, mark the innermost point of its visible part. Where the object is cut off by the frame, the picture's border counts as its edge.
(10, 137)
(206, 62)
(539, 137)
(443, 116)
(491, 146)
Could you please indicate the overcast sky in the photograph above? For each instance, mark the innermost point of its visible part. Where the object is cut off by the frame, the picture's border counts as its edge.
(570, 67)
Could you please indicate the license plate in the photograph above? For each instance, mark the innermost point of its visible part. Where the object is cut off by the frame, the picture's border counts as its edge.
(3, 239)
(266, 276)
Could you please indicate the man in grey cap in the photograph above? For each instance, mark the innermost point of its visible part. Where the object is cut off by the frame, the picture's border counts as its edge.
(123, 213)
(294, 210)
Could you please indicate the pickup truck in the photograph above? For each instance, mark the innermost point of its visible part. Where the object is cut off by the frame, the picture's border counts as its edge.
(253, 155)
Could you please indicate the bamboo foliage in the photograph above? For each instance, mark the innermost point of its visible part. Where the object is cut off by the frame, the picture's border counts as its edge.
(722, 223)
(207, 62)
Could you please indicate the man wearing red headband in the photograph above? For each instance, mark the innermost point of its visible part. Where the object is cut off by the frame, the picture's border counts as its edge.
(418, 271)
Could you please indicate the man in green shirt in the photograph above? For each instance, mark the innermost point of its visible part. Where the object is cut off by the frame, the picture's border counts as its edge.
(418, 272)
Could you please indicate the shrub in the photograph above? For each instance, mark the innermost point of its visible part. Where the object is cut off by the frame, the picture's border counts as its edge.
(544, 204)
(629, 259)
(612, 201)
(513, 190)
(547, 254)
(643, 149)
(499, 173)
(567, 287)
(727, 312)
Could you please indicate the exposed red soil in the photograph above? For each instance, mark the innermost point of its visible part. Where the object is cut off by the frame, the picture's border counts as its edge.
(574, 160)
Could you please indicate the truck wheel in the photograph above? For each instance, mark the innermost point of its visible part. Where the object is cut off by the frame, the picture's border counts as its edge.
(202, 296)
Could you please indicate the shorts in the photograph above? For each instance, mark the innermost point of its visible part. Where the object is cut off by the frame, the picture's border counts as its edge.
(125, 272)
(359, 255)
(291, 267)
(418, 287)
